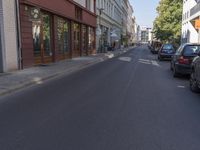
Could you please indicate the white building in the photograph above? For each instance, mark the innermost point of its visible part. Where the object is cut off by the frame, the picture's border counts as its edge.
(134, 31)
(191, 12)
(8, 36)
(150, 32)
(138, 33)
(146, 34)
(130, 24)
(109, 24)
(124, 22)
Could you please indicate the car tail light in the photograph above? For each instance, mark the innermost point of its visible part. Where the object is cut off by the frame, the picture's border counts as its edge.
(183, 60)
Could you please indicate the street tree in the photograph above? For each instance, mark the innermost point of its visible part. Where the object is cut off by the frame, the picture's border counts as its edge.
(167, 25)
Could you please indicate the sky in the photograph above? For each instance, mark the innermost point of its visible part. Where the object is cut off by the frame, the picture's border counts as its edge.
(145, 11)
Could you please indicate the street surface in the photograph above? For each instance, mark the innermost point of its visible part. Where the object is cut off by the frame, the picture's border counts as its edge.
(131, 102)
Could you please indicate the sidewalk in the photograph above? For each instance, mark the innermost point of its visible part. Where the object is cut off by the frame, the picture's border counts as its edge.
(13, 81)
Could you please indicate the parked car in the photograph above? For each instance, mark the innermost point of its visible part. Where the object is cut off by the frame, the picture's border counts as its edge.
(182, 59)
(155, 46)
(195, 75)
(166, 51)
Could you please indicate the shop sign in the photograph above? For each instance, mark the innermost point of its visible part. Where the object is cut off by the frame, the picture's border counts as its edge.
(197, 24)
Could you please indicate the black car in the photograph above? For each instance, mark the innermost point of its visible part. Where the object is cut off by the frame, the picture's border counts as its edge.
(182, 59)
(166, 51)
(195, 75)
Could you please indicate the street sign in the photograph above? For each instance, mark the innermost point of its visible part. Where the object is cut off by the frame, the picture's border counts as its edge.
(197, 24)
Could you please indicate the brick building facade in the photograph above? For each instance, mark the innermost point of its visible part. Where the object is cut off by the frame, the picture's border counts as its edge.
(61, 29)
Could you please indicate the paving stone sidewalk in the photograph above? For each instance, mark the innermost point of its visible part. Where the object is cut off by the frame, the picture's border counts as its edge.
(13, 81)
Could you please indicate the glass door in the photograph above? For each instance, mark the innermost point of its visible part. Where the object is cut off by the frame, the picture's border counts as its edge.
(77, 32)
(84, 40)
(63, 38)
(42, 40)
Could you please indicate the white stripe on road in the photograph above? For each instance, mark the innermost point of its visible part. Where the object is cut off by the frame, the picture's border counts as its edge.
(127, 59)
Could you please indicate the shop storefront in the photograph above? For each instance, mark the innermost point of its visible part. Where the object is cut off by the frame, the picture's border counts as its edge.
(57, 34)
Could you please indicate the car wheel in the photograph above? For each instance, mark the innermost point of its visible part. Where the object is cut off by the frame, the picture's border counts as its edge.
(193, 84)
(175, 73)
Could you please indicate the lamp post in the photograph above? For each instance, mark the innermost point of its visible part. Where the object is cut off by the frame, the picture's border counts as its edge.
(100, 38)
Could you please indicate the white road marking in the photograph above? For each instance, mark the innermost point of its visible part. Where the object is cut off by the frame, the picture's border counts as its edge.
(37, 80)
(181, 86)
(155, 63)
(127, 59)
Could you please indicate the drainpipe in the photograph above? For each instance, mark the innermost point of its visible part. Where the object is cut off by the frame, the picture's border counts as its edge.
(19, 42)
(2, 42)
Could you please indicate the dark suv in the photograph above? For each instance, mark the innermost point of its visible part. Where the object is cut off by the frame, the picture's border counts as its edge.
(195, 75)
(182, 59)
(166, 51)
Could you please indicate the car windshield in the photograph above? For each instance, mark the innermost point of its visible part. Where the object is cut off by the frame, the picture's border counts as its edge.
(168, 47)
(191, 50)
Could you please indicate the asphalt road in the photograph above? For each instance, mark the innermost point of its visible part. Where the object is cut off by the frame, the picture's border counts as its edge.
(131, 102)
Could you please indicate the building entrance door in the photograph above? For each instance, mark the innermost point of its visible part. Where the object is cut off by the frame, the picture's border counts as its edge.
(42, 40)
(77, 36)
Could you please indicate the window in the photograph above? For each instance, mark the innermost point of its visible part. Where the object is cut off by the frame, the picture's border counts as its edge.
(76, 27)
(88, 4)
(91, 38)
(47, 35)
(191, 50)
(78, 13)
(36, 38)
(84, 38)
(42, 36)
(63, 35)
(168, 47)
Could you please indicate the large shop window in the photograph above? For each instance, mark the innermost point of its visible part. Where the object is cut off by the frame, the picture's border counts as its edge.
(42, 39)
(63, 35)
(47, 35)
(37, 38)
(91, 38)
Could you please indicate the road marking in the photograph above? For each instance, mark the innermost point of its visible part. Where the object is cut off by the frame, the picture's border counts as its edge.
(143, 62)
(155, 63)
(181, 86)
(127, 59)
(109, 55)
(37, 80)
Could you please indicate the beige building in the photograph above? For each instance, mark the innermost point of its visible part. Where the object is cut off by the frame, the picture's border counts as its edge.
(130, 24)
(8, 36)
(114, 24)
(109, 24)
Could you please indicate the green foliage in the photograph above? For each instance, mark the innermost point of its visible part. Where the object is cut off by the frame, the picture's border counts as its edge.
(167, 25)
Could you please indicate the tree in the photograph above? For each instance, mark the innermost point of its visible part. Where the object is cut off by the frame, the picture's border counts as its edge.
(167, 25)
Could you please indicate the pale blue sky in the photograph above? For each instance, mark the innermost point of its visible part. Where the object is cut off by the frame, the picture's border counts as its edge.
(145, 11)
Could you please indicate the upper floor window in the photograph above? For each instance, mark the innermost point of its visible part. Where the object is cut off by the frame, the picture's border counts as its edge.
(88, 4)
(78, 13)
